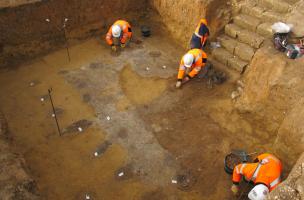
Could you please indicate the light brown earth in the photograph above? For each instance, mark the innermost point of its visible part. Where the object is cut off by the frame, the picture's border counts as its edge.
(155, 132)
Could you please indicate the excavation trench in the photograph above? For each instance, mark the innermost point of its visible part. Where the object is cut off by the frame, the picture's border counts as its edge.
(145, 132)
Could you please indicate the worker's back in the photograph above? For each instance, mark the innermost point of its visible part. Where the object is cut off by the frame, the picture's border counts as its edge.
(267, 170)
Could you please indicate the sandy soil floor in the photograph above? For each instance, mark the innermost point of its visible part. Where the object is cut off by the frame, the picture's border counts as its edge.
(141, 125)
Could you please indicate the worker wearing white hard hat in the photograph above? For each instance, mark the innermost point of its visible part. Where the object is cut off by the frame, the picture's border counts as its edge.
(119, 34)
(190, 65)
(265, 173)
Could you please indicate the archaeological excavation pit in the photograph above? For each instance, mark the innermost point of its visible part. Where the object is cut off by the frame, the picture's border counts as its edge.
(125, 131)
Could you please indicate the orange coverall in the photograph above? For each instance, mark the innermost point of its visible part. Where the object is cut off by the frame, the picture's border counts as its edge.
(200, 35)
(200, 59)
(126, 32)
(267, 171)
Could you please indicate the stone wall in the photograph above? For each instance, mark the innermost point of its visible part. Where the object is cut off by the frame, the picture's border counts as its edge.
(26, 34)
(273, 94)
(181, 17)
(293, 187)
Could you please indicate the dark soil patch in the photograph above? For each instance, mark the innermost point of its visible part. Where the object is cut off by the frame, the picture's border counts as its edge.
(103, 147)
(83, 124)
(124, 173)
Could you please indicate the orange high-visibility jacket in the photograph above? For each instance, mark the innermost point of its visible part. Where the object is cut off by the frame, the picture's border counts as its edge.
(202, 31)
(126, 32)
(200, 59)
(267, 171)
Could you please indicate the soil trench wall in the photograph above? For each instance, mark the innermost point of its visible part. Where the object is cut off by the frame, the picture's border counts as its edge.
(13, 3)
(273, 94)
(25, 33)
(14, 180)
(181, 17)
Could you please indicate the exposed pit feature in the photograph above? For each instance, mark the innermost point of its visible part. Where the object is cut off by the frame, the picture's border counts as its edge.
(126, 131)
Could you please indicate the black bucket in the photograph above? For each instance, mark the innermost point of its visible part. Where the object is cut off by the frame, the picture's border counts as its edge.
(233, 159)
(145, 31)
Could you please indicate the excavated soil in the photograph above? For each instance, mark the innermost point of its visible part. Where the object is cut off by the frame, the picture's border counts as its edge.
(147, 135)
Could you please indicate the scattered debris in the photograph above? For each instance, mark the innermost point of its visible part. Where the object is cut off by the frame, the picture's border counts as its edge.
(83, 124)
(185, 180)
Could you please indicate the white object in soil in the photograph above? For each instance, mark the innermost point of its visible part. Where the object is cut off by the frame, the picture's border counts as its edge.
(215, 45)
(174, 181)
(87, 197)
(41, 99)
(96, 154)
(32, 84)
(53, 115)
(164, 67)
(120, 174)
(108, 118)
(47, 20)
(147, 68)
(80, 129)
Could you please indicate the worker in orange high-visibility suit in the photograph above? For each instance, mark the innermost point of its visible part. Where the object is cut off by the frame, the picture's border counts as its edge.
(191, 64)
(199, 37)
(119, 34)
(265, 173)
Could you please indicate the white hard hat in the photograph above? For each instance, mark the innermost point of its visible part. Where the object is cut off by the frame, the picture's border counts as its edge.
(259, 192)
(188, 59)
(116, 30)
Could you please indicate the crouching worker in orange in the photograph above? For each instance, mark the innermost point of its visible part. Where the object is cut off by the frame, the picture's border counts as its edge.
(199, 37)
(119, 34)
(190, 65)
(265, 174)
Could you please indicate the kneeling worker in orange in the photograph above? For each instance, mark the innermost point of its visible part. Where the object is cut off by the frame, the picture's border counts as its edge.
(119, 34)
(265, 173)
(190, 65)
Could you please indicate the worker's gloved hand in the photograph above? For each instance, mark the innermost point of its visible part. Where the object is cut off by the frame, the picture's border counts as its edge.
(234, 189)
(123, 45)
(178, 84)
(114, 48)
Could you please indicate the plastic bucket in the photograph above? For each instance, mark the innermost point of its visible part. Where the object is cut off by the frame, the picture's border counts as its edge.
(231, 160)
